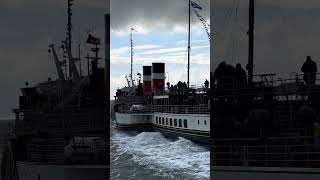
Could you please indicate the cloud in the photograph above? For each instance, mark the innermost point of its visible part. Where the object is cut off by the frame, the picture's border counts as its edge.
(162, 15)
(169, 50)
(126, 50)
(155, 53)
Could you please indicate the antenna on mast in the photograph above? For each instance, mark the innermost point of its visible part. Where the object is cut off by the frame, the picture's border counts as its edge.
(188, 82)
(131, 44)
(69, 24)
(251, 40)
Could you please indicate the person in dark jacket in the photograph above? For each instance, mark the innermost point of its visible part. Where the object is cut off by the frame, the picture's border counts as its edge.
(309, 68)
(241, 75)
(219, 72)
(206, 84)
(220, 81)
(240, 83)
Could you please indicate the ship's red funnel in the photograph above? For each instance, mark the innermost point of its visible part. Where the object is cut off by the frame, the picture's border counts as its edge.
(146, 79)
(158, 76)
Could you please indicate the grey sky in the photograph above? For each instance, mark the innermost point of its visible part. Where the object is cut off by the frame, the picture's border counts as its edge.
(152, 14)
(27, 28)
(286, 31)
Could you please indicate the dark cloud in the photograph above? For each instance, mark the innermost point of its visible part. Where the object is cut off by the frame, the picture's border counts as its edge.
(152, 14)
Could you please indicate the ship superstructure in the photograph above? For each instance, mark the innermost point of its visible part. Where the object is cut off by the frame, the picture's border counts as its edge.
(60, 124)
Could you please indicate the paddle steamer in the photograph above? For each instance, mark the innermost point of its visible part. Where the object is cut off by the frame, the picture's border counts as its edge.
(61, 124)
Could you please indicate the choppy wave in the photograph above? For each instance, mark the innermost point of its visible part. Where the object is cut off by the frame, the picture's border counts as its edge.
(170, 158)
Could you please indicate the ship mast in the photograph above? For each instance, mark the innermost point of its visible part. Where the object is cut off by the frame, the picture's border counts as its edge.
(69, 24)
(131, 45)
(251, 40)
(69, 31)
(189, 45)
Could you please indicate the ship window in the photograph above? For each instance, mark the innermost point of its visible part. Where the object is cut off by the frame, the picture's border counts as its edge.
(185, 123)
(167, 121)
(156, 119)
(180, 123)
(163, 120)
(159, 120)
(205, 122)
(175, 122)
(170, 121)
(198, 122)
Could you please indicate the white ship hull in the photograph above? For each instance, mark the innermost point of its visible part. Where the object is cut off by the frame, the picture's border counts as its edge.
(191, 126)
(33, 171)
(264, 173)
(133, 120)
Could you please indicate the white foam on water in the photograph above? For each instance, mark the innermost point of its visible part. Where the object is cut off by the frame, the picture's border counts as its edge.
(154, 150)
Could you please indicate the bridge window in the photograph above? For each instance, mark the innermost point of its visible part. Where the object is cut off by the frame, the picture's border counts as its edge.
(180, 123)
(185, 123)
(163, 121)
(205, 122)
(170, 121)
(167, 121)
(159, 120)
(198, 122)
(175, 122)
(156, 119)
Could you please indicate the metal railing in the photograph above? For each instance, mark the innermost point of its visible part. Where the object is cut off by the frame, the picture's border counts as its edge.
(192, 88)
(58, 151)
(175, 109)
(270, 152)
(67, 121)
(182, 109)
(292, 88)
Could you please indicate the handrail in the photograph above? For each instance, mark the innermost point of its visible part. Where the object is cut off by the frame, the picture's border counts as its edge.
(293, 88)
(175, 109)
(57, 151)
(300, 151)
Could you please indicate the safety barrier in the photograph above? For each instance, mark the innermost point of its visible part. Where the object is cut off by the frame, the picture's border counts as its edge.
(269, 152)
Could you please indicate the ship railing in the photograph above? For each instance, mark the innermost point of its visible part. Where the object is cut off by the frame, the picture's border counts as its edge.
(183, 90)
(182, 109)
(266, 86)
(67, 122)
(299, 152)
(130, 99)
(59, 151)
(175, 109)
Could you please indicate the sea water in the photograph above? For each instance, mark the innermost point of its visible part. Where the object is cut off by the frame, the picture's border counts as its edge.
(149, 155)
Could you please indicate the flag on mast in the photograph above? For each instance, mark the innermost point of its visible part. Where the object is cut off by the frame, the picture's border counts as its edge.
(93, 40)
(195, 5)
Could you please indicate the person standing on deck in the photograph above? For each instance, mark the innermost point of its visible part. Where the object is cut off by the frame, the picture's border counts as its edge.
(316, 132)
(241, 75)
(309, 68)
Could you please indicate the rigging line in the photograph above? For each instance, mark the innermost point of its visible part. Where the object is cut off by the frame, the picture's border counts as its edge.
(204, 23)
